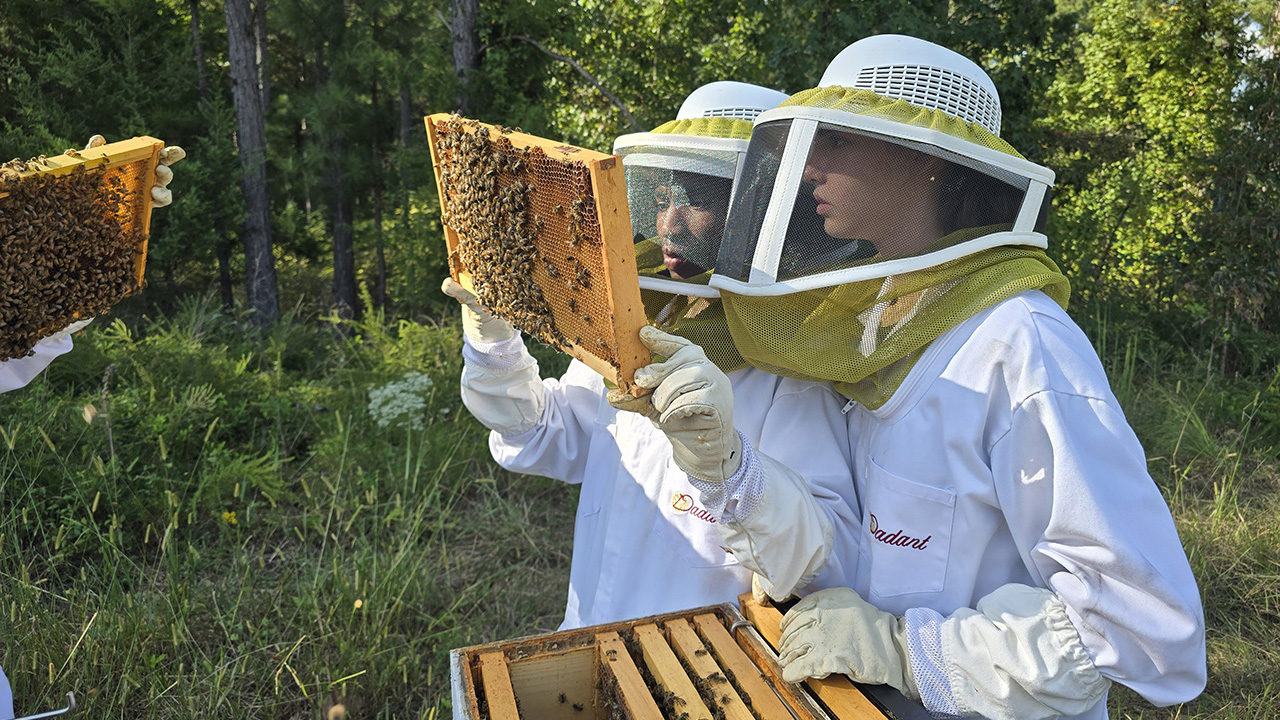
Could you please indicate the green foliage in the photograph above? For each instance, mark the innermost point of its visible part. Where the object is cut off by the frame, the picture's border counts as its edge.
(229, 522)
(1159, 119)
(1138, 119)
(1162, 133)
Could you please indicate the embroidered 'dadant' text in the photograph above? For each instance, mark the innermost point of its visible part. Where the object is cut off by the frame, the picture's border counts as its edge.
(897, 538)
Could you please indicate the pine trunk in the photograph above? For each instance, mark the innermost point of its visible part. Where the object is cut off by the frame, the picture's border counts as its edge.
(260, 271)
(466, 48)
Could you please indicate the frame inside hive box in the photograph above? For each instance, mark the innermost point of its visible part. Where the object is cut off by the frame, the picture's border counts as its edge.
(540, 232)
(701, 664)
(73, 237)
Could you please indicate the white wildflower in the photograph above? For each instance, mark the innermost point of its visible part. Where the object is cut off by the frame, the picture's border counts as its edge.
(401, 401)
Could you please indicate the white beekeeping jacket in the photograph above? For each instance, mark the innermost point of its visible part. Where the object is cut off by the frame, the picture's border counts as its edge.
(643, 544)
(18, 372)
(1005, 458)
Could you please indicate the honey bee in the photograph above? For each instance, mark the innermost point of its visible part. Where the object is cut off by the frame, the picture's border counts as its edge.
(70, 250)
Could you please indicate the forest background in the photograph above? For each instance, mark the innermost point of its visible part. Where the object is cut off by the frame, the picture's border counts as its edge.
(251, 491)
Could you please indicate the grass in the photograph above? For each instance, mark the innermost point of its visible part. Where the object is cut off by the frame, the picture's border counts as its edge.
(231, 531)
(262, 548)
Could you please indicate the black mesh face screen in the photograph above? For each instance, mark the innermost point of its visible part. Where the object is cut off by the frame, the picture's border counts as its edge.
(683, 212)
(857, 199)
(1042, 220)
(755, 190)
(864, 199)
(805, 230)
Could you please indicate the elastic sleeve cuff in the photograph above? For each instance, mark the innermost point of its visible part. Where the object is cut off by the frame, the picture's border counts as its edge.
(735, 498)
(924, 651)
(500, 356)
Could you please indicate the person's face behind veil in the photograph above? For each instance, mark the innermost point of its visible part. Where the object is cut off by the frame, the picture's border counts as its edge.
(872, 190)
(690, 221)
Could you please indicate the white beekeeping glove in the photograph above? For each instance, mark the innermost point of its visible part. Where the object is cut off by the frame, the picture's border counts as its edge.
(692, 402)
(160, 193)
(478, 324)
(500, 382)
(1014, 657)
(71, 329)
(836, 631)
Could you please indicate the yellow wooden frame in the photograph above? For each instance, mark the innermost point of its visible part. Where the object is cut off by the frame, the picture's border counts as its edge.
(113, 155)
(621, 278)
(564, 670)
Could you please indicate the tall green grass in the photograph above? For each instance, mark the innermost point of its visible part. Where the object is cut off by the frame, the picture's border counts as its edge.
(231, 531)
(228, 532)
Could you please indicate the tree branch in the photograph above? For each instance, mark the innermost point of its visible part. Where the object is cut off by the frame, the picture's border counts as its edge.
(631, 120)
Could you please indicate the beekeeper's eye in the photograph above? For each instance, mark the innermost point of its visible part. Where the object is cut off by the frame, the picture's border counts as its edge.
(668, 195)
(701, 198)
(830, 140)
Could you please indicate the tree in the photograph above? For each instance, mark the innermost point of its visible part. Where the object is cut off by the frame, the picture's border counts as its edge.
(1135, 123)
(466, 48)
(1237, 283)
(260, 272)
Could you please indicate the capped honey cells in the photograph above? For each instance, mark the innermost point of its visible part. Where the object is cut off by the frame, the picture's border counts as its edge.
(67, 250)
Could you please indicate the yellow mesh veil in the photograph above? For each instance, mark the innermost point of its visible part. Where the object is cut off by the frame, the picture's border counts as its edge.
(866, 336)
(715, 127)
(864, 102)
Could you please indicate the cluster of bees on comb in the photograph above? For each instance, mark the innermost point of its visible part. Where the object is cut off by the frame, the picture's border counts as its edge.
(487, 188)
(65, 251)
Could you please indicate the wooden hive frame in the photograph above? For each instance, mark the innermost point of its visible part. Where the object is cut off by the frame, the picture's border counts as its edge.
(125, 156)
(692, 665)
(836, 692)
(608, 342)
(74, 244)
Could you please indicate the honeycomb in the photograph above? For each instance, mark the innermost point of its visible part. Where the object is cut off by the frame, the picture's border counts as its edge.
(73, 233)
(540, 232)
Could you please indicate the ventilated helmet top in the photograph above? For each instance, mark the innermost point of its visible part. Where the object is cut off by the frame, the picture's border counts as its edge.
(920, 72)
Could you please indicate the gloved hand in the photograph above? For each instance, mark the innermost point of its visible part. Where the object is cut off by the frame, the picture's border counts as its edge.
(692, 402)
(18, 372)
(71, 329)
(760, 588)
(836, 631)
(160, 193)
(478, 324)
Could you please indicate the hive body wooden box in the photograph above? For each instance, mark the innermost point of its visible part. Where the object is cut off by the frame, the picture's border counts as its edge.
(710, 662)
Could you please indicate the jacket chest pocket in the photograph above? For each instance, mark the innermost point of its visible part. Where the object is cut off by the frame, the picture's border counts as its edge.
(906, 534)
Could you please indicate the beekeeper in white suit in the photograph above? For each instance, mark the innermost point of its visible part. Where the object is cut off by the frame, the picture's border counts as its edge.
(643, 543)
(1015, 557)
(18, 372)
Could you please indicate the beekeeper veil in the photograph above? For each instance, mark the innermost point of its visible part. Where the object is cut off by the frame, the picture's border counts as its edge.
(680, 179)
(875, 212)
